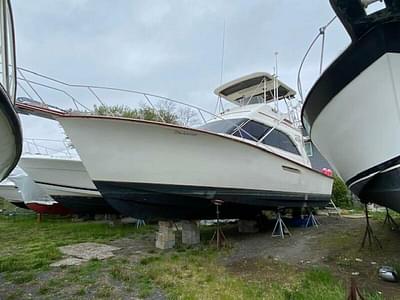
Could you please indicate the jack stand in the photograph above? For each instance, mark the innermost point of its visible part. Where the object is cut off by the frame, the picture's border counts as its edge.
(369, 233)
(140, 223)
(39, 218)
(355, 293)
(312, 220)
(280, 228)
(390, 221)
(218, 235)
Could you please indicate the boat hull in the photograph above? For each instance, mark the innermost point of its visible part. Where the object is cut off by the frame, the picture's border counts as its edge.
(154, 170)
(67, 182)
(50, 209)
(85, 205)
(19, 204)
(10, 136)
(195, 202)
(354, 120)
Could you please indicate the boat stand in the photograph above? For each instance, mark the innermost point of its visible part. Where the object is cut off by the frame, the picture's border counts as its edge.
(39, 218)
(280, 228)
(140, 223)
(355, 293)
(390, 221)
(218, 235)
(369, 233)
(312, 220)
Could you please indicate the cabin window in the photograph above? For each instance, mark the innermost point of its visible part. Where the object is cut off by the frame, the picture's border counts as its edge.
(255, 129)
(223, 126)
(308, 148)
(280, 140)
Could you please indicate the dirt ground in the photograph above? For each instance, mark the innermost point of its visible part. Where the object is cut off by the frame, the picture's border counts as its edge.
(335, 244)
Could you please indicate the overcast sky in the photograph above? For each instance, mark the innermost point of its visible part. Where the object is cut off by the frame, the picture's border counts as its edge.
(172, 48)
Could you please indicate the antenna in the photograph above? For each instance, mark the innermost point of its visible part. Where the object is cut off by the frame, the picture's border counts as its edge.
(219, 100)
(276, 82)
(223, 53)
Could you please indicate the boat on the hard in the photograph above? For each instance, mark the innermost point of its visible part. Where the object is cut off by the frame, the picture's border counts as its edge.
(352, 112)
(10, 126)
(66, 180)
(33, 196)
(251, 157)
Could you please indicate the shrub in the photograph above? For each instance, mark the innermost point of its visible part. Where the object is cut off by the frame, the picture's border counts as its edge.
(164, 113)
(341, 194)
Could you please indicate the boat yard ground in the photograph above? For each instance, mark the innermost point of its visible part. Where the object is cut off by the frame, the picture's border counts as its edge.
(315, 263)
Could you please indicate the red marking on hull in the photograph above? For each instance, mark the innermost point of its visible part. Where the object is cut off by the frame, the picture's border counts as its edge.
(52, 209)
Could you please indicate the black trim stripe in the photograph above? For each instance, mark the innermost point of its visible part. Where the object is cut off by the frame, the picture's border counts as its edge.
(358, 56)
(378, 168)
(66, 186)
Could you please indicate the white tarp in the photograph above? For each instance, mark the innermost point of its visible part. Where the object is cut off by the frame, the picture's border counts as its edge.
(31, 192)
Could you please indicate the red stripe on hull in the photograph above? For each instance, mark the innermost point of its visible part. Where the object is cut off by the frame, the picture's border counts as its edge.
(53, 209)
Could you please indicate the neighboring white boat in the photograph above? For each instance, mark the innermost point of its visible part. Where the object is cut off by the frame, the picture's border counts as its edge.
(353, 110)
(66, 180)
(10, 127)
(251, 157)
(10, 192)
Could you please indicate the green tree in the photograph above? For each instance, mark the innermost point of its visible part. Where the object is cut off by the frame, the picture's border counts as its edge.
(341, 194)
(162, 113)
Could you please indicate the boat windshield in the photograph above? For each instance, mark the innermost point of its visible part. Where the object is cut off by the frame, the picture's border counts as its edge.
(223, 126)
(252, 130)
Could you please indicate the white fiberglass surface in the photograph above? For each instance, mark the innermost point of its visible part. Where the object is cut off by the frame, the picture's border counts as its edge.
(358, 129)
(153, 153)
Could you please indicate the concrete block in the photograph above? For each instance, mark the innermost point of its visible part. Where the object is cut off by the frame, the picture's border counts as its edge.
(165, 237)
(190, 232)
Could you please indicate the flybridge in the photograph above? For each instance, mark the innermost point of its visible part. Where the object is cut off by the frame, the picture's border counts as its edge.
(260, 87)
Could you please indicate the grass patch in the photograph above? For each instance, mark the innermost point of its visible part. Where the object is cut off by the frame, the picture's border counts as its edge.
(195, 274)
(318, 284)
(20, 277)
(28, 248)
(26, 245)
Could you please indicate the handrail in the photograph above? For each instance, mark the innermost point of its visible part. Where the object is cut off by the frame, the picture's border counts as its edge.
(40, 148)
(92, 88)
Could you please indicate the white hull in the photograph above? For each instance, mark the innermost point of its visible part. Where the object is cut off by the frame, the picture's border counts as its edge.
(59, 177)
(359, 128)
(143, 153)
(67, 181)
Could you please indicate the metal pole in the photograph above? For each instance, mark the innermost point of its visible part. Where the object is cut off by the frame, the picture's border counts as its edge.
(4, 45)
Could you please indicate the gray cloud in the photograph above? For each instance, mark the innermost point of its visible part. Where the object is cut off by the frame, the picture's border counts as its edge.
(171, 48)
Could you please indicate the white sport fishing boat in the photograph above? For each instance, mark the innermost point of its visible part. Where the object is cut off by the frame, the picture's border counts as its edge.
(251, 157)
(10, 127)
(352, 112)
(66, 180)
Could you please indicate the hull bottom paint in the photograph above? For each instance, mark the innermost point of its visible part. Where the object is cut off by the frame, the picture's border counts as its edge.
(380, 187)
(85, 205)
(192, 202)
(53, 209)
(19, 204)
